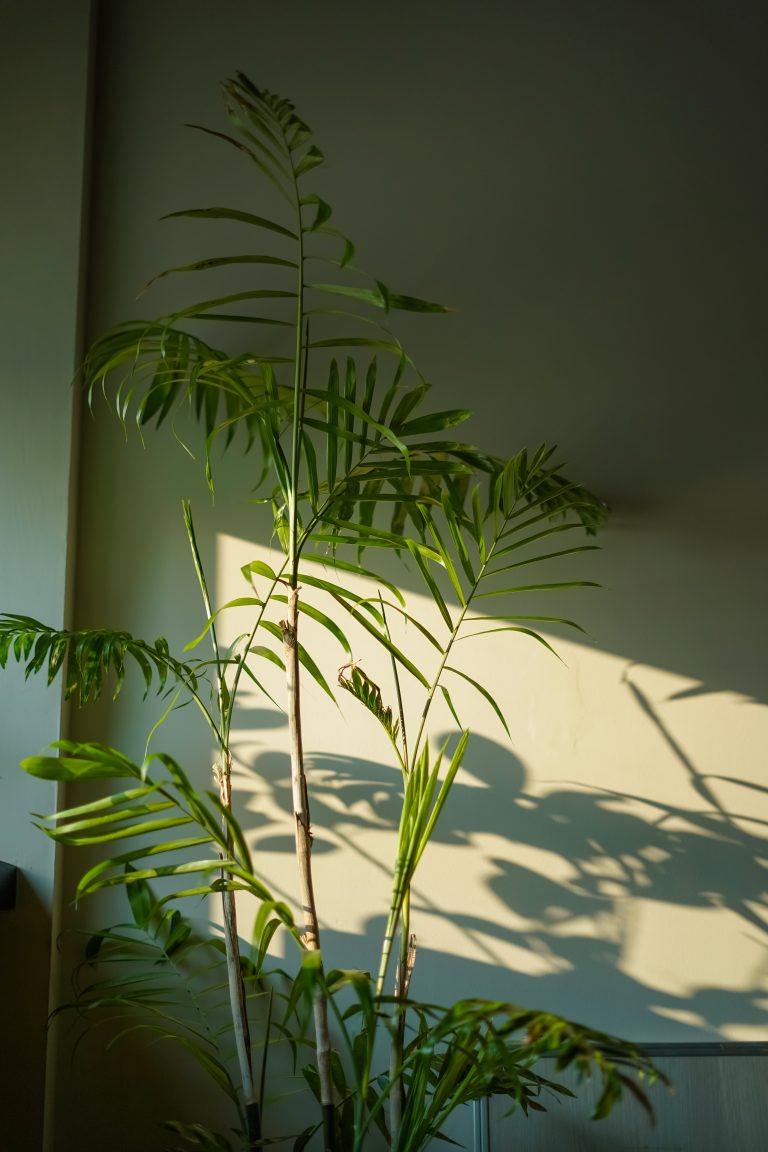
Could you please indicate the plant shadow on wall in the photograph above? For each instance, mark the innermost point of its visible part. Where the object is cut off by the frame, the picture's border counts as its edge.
(558, 931)
(354, 465)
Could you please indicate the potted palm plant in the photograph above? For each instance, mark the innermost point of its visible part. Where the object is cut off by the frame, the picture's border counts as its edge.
(355, 465)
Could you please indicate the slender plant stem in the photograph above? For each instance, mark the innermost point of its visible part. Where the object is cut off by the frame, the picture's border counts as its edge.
(223, 774)
(397, 1037)
(451, 641)
(236, 986)
(251, 637)
(402, 974)
(310, 930)
(396, 1093)
(398, 895)
(290, 628)
(303, 835)
(280, 577)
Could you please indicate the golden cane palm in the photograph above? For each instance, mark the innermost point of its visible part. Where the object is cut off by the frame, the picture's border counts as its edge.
(354, 463)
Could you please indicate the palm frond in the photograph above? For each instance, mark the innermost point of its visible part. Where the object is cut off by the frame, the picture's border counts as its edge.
(88, 657)
(159, 978)
(152, 368)
(465, 1052)
(160, 798)
(478, 1047)
(424, 799)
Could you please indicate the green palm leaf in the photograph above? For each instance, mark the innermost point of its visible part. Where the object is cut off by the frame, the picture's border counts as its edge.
(360, 685)
(336, 564)
(88, 656)
(233, 214)
(222, 262)
(305, 659)
(158, 978)
(358, 460)
(121, 817)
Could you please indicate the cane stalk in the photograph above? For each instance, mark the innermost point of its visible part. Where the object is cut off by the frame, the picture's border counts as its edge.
(223, 776)
(303, 839)
(299, 790)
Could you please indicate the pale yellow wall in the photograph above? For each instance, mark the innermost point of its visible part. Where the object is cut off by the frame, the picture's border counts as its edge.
(584, 184)
(606, 862)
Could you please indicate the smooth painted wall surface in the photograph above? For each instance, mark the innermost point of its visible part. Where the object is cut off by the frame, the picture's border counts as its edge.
(585, 184)
(43, 82)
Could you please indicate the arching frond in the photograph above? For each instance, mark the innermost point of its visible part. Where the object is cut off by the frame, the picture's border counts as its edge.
(159, 798)
(88, 656)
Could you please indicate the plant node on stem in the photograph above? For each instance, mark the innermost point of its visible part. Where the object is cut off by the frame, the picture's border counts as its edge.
(311, 930)
(223, 777)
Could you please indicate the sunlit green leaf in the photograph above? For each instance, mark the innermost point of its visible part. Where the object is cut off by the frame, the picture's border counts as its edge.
(267, 654)
(429, 580)
(449, 702)
(327, 623)
(304, 657)
(484, 693)
(258, 568)
(238, 602)
(337, 564)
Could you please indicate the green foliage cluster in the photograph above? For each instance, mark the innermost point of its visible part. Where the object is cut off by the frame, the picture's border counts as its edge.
(308, 376)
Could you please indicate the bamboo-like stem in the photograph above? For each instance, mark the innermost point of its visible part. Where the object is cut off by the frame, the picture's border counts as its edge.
(290, 629)
(389, 936)
(396, 1094)
(395, 907)
(223, 775)
(407, 951)
(303, 835)
(235, 983)
(403, 974)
